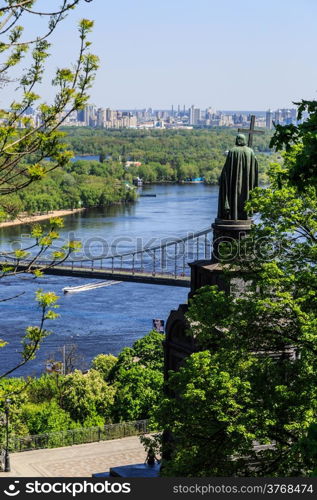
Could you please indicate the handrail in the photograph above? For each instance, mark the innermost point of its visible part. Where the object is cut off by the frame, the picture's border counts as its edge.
(80, 435)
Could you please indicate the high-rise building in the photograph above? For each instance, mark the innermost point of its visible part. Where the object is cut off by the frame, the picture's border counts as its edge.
(80, 115)
(194, 115)
(225, 120)
(294, 115)
(269, 119)
(100, 117)
(88, 115)
(191, 115)
(210, 112)
(278, 116)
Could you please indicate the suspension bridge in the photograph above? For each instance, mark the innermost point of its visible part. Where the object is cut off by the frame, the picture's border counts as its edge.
(164, 264)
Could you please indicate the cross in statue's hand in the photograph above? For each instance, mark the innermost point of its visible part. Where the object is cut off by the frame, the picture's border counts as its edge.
(250, 131)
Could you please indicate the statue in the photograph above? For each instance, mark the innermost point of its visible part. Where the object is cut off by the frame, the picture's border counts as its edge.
(239, 175)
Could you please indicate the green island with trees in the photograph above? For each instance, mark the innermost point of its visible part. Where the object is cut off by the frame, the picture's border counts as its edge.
(164, 156)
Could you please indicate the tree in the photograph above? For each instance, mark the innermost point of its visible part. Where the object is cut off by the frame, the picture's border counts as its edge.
(34, 334)
(237, 392)
(104, 364)
(300, 142)
(138, 378)
(146, 351)
(45, 417)
(67, 359)
(24, 145)
(87, 398)
(139, 390)
(20, 137)
(149, 350)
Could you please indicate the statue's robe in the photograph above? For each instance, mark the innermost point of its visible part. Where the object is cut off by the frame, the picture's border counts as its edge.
(239, 175)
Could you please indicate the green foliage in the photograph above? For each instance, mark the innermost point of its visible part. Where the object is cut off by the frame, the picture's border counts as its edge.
(300, 143)
(146, 351)
(166, 155)
(114, 389)
(43, 389)
(82, 183)
(87, 397)
(149, 350)
(24, 145)
(138, 377)
(45, 417)
(208, 418)
(308, 448)
(104, 364)
(234, 393)
(139, 390)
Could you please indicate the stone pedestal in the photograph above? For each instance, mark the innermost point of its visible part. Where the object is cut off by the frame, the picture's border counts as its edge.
(178, 345)
(228, 231)
(207, 272)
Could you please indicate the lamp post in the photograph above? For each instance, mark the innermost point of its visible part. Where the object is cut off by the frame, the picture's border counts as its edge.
(7, 467)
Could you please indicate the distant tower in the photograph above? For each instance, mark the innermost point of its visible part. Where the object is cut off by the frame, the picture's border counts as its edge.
(293, 115)
(100, 117)
(80, 115)
(191, 115)
(278, 116)
(172, 109)
(269, 119)
(194, 115)
(197, 116)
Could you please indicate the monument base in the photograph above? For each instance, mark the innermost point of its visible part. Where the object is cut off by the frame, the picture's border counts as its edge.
(228, 231)
(178, 345)
(206, 272)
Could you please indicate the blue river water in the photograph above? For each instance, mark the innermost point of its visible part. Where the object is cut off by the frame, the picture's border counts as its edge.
(107, 319)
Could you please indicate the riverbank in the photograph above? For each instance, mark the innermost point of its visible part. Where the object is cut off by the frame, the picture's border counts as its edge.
(30, 219)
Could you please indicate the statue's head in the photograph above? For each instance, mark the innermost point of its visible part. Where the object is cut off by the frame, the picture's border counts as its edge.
(241, 140)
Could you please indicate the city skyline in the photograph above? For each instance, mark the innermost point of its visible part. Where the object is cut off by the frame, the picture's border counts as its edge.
(174, 118)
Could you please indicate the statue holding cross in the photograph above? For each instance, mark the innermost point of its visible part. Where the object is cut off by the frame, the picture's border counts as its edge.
(238, 177)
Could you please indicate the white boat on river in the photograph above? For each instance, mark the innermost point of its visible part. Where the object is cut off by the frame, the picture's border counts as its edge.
(89, 286)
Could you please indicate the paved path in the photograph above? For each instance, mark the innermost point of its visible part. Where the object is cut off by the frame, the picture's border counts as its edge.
(76, 461)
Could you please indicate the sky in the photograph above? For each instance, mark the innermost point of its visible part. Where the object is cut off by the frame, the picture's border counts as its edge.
(227, 54)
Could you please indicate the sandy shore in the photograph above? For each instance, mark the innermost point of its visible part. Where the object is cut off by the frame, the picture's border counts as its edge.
(29, 219)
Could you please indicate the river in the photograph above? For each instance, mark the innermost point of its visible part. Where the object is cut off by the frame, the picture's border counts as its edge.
(107, 319)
